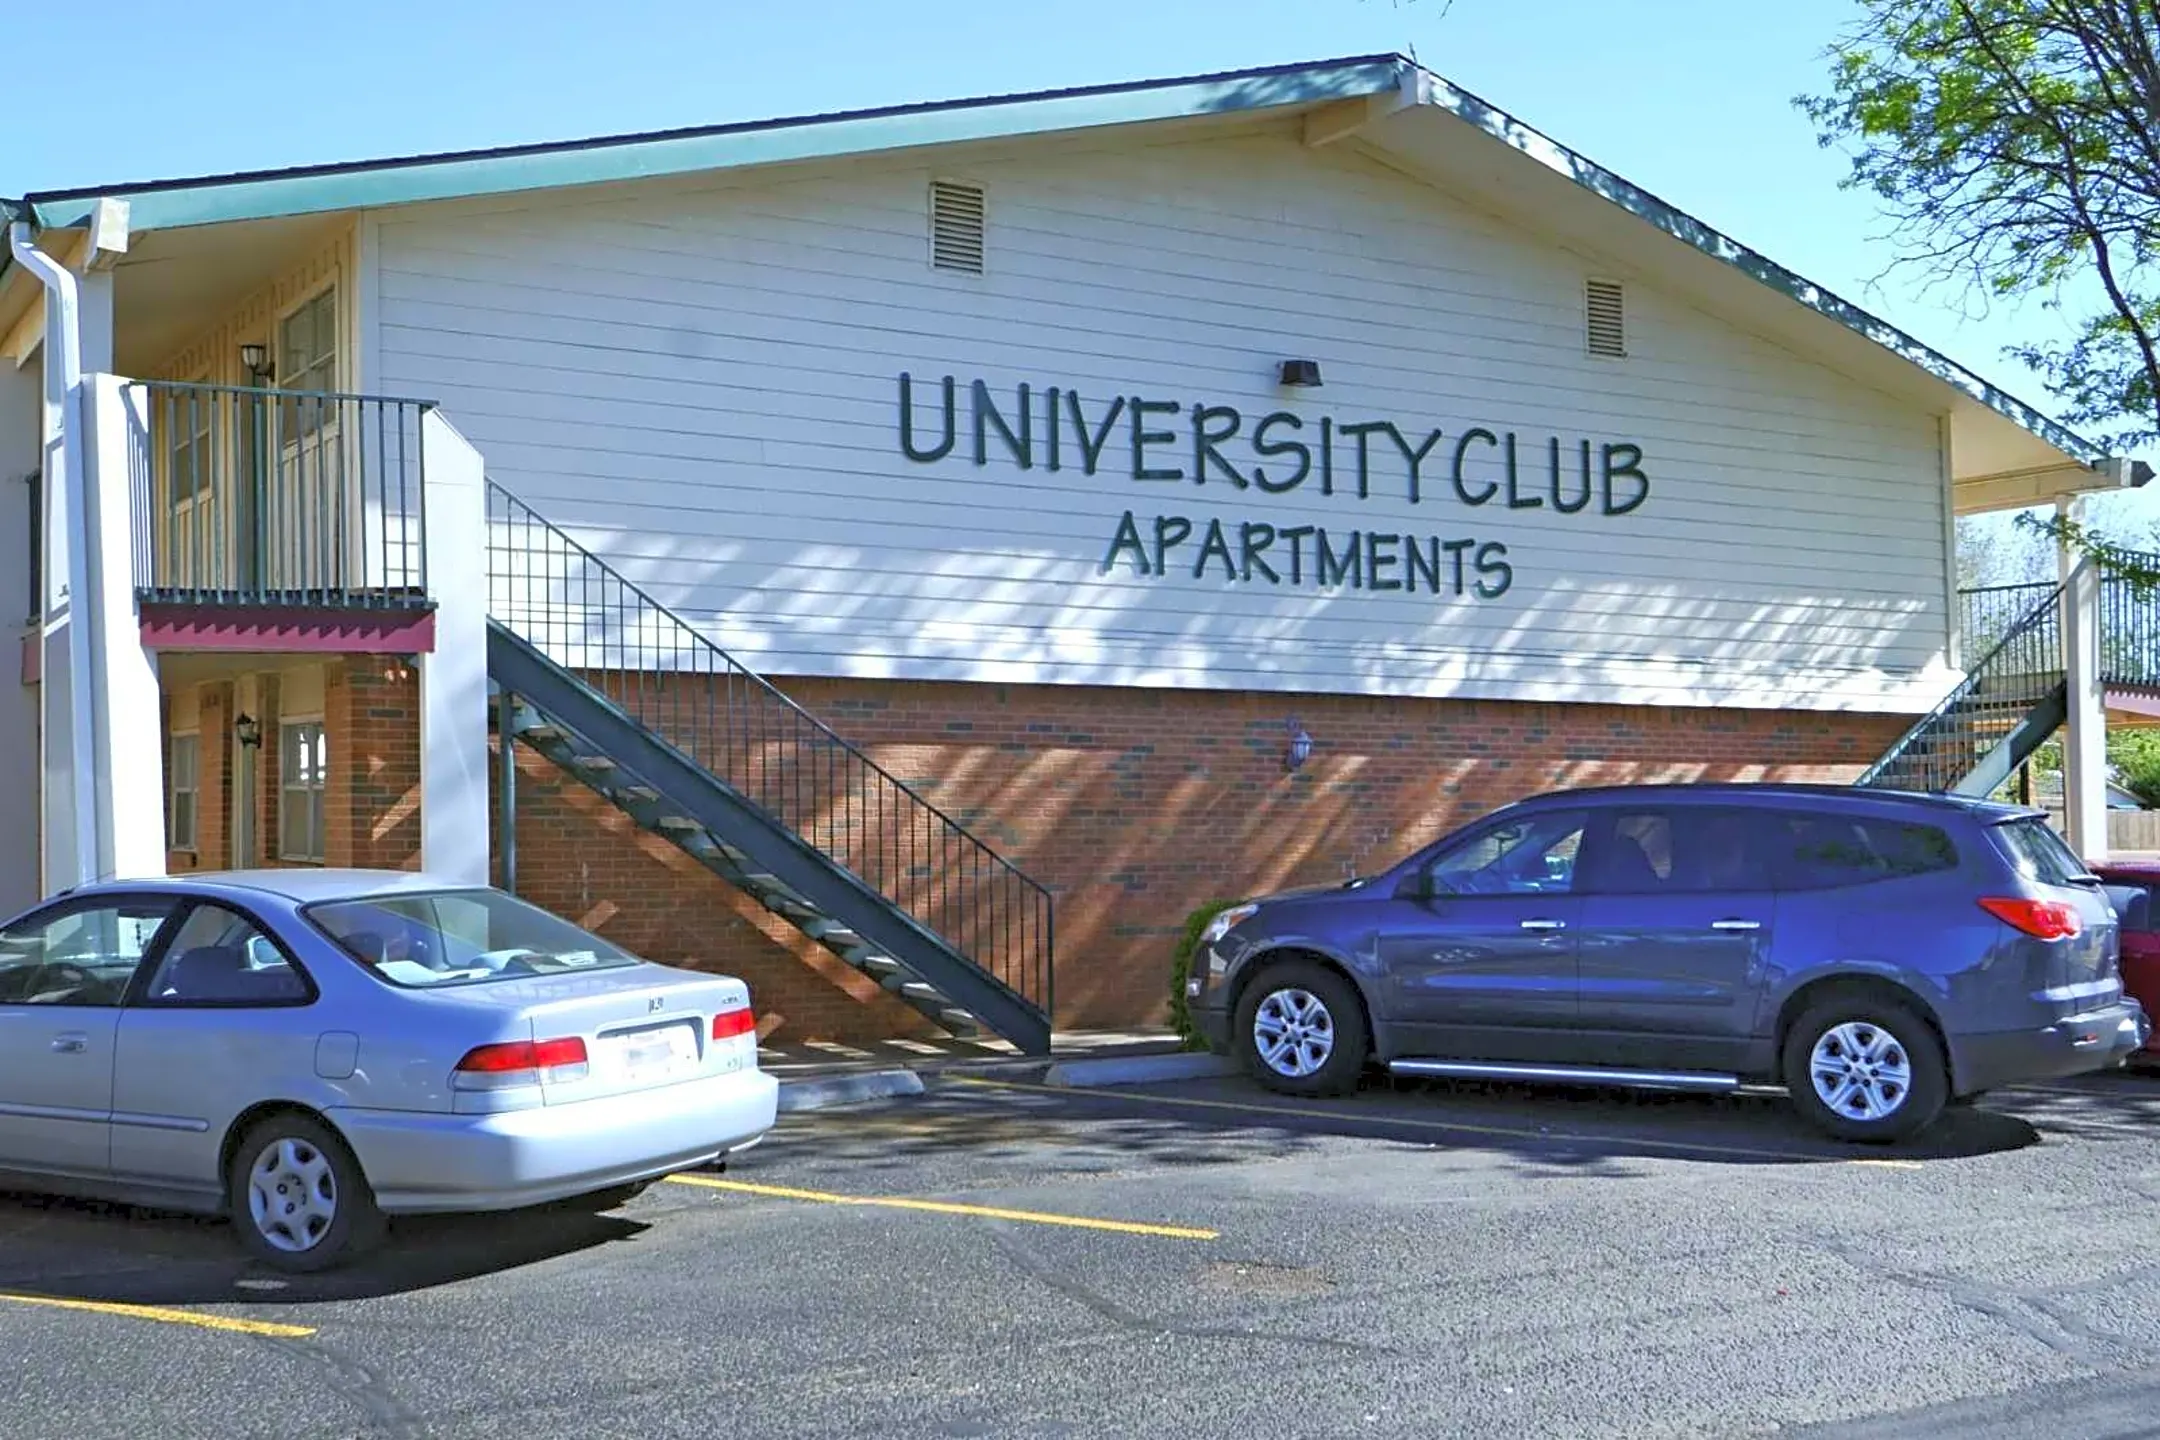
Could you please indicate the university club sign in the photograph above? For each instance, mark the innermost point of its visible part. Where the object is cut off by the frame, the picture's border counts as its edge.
(1168, 442)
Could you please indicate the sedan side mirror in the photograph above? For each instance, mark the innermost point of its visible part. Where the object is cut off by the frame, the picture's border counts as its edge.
(1417, 885)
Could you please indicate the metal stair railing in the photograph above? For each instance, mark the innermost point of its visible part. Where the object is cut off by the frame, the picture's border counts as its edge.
(2020, 672)
(2130, 630)
(666, 676)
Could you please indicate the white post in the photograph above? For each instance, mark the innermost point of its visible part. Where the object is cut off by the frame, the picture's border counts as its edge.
(128, 738)
(453, 676)
(2085, 768)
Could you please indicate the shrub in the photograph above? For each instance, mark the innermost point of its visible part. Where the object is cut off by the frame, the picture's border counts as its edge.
(1181, 968)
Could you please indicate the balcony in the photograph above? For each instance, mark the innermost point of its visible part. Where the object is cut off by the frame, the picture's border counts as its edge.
(278, 519)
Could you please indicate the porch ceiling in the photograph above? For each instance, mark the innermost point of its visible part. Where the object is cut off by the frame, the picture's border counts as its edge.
(172, 285)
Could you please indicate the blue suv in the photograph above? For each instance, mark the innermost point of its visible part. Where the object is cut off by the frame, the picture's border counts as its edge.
(1879, 954)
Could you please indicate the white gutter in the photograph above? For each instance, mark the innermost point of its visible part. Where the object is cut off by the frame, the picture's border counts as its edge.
(63, 330)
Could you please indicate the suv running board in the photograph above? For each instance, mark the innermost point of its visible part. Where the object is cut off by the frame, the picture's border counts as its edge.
(1567, 1074)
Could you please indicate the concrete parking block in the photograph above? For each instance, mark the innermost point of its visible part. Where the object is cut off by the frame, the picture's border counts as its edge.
(1139, 1070)
(819, 1092)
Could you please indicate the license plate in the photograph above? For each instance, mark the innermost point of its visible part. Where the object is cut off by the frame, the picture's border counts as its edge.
(652, 1054)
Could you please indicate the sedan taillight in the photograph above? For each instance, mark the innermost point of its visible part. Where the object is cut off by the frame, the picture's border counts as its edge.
(2041, 919)
(730, 1023)
(521, 1062)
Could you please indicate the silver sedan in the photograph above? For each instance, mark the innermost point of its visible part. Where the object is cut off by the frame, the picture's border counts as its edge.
(310, 1050)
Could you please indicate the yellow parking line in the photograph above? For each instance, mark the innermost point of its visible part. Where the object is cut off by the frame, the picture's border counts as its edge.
(1411, 1123)
(165, 1316)
(940, 1207)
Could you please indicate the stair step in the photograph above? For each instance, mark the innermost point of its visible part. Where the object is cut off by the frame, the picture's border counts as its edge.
(880, 965)
(959, 1021)
(832, 932)
(592, 762)
(540, 732)
(676, 822)
(641, 792)
(920, 990)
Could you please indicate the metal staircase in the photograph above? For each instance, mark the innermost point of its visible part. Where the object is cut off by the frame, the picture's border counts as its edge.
(630, 699)
(2009, 703)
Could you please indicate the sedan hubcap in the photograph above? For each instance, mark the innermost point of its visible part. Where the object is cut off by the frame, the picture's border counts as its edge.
(1293, 1032)
(292, 1195)
(1860, 1071)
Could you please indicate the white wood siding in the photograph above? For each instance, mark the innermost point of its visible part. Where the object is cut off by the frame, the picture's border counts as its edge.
(700, 381)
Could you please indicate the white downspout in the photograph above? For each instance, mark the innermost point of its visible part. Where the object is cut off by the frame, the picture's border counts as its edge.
(64, 328)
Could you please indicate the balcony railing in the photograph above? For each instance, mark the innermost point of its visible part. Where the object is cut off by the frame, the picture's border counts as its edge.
(278, 497)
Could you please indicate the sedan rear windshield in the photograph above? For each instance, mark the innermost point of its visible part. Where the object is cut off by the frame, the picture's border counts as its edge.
(2038, 853)
(461, 937)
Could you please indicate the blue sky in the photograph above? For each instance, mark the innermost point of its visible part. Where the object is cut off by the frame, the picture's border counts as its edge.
(1688, 98)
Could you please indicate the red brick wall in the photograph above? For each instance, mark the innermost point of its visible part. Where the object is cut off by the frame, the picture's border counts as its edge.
(1134, 806)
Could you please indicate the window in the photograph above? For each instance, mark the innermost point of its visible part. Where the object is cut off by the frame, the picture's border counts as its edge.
(1681, 850)
(307, 362)
(1823, 852)
(186, 756)
(219, 957)
(2038, 853)
(302, 763)
(1534, 855)
(187, 416)
(461, 937)
(307, 346)
(82, 954)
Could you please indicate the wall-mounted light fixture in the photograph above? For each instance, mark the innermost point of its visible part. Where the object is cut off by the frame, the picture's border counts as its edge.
(248, 730)
(1302, 373)
(1299, 748)
(256, 360)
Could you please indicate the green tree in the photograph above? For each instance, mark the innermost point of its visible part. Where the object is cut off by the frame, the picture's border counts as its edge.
(2016, 146)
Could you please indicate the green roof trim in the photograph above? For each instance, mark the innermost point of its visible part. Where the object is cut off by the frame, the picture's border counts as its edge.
(261, 195)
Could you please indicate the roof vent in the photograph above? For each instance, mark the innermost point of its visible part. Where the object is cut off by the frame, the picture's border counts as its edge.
(1606, 316)
(956, 226)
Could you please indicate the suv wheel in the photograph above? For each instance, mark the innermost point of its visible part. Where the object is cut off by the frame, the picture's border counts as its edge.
(1863, 1068)
(1300, 1030)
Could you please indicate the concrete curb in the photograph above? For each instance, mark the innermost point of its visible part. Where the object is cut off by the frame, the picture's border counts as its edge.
(1138, 1070)
(819, 1092)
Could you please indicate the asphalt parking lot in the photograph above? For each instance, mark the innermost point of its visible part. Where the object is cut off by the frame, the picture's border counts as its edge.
(994, 1259)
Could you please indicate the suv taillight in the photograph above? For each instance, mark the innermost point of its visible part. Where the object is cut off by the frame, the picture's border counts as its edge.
(2041, 919)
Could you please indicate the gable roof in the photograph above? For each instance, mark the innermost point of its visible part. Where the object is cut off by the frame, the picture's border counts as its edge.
(1361, 96)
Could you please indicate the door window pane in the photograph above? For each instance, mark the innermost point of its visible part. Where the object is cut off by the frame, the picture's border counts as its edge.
(186, 757)
(1822, 852)
(1531, 856)
(78, 955)
(219, 957)
(303, 762)
(1677, 850)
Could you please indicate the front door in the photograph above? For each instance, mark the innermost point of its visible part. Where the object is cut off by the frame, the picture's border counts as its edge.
(63, 971)
(1674, 945)
(1478, 950)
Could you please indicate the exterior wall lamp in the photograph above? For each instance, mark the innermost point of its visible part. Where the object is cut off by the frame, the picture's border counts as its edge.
(248, 730)
(255, 359)
(1299, 749)
(1301, 373)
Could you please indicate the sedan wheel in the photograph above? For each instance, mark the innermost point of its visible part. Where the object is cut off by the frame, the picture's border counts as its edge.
(1301, 1030)
(297, 1196)
(1863, 1068)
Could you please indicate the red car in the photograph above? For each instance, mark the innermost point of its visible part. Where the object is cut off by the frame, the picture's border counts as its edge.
(2134, 887)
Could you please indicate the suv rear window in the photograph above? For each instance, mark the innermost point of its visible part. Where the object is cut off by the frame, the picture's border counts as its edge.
(460, 937)
(2038, 853)
(1815, 851)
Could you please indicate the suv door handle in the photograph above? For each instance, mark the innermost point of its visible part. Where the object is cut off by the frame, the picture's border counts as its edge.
(71, 1043)
(1736, 924)
(1544, 925)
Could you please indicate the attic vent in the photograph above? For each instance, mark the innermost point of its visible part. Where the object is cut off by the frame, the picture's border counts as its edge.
(956, 226)
(1602, 307)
